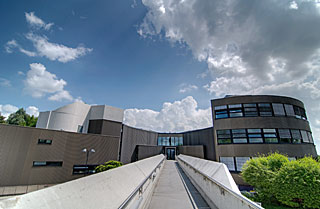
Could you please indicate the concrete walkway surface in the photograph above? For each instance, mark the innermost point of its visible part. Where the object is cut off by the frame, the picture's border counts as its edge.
(170, 191)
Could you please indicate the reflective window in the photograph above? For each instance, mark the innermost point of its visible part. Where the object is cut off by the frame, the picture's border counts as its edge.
(284, 135)
(296, 137)
(229, 162)
(289, 110)
(265, 109)
(278, 109)
(45, 141)
(292, 158)
(221, 114)
(310, 137)
(239, 136)
(305, 137)
(250, 110)
(47, 163)
(297, 112)
(235, 110)
(224, 136)
(255, 136)
(84, 169)
(240, 161)
(220, 107)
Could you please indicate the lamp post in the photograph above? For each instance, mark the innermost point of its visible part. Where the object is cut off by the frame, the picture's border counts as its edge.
(87, 151)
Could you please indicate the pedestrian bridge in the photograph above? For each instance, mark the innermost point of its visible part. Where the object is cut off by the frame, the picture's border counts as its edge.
(154, 183)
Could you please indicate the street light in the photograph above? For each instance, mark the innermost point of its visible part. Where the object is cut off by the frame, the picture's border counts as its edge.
(85, 150)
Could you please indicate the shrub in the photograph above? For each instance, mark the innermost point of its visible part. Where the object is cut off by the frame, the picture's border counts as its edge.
(108, 165)
(261, 172)
(297, 183)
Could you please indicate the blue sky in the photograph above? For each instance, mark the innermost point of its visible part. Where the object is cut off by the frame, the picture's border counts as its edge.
(162, 60)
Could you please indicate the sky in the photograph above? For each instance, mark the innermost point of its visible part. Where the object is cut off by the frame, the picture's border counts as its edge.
(162, 61)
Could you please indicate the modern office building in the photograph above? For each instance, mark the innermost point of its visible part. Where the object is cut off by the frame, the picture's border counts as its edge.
(70, 141)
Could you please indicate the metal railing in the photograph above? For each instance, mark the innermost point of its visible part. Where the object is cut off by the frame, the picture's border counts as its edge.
(238, 196)
(139, 188)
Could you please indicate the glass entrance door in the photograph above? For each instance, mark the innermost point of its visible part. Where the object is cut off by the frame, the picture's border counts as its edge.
(171, 153)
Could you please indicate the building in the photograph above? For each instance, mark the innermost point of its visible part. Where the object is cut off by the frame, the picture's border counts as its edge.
(243, 127)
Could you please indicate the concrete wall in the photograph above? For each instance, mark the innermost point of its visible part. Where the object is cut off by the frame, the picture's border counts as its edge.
(131, 137)
(19, 148)
(214, 182)
(108, 189)
(194, 151)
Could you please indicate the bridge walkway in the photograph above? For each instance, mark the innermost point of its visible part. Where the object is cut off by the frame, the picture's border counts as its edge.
(175, 190)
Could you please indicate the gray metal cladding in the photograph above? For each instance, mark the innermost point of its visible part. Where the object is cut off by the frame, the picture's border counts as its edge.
(19, 148)
(131, 137)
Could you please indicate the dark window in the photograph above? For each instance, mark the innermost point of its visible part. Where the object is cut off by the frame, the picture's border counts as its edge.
(310, 137)
(289, 110)
(297, 112)
(47, 163)
(224, 136)
(296, 137)
(303, 114)
(265, 109)
(284, 135)
(44, 141)
(84, 169)
(250, 110)
(278, 109)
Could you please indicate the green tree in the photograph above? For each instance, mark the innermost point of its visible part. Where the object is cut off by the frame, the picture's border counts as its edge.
(108, 165)
(2, 119)
(21, 118)
(261, 172)
(297, 183)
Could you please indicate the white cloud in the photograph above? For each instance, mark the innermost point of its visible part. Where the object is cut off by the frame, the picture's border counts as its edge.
(293, 5)
(250, 48)
(36, 22)
(20, 73)
(61, 95)
(10, 45)
(5, 82)
(39, 82)
(187, 88)
(178, 116)
(32, 110)
(55, 51)
(7, 109)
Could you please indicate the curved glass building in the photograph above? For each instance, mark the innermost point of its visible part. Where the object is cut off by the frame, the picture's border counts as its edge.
(246, 126)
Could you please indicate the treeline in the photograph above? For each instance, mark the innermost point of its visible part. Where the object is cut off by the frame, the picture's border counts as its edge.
(20, 118)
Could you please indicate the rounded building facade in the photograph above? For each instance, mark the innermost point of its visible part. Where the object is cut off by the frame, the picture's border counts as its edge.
(246, 126)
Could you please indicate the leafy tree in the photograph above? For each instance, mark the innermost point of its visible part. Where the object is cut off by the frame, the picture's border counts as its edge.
(297, 183)
(2, 119)
(108, 165)
(21, 118)
(261, 172)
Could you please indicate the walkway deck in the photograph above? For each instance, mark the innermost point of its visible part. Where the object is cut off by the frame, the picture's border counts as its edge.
(170, 192)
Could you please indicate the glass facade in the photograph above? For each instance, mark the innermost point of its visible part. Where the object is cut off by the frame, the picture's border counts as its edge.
(170, 141)
(267, 135)
(259, 109)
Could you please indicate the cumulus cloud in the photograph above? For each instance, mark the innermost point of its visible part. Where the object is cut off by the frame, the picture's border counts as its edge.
(55, 51)
(255, 47)
(173, 117)
(36, 22)
(187, 88)
(32, 110)
(5, 82)
(40, 82)
(7, 109)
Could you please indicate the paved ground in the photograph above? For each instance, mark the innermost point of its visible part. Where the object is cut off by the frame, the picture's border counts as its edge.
(170, 191)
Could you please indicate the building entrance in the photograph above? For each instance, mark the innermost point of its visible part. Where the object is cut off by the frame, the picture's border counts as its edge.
(171, 153)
